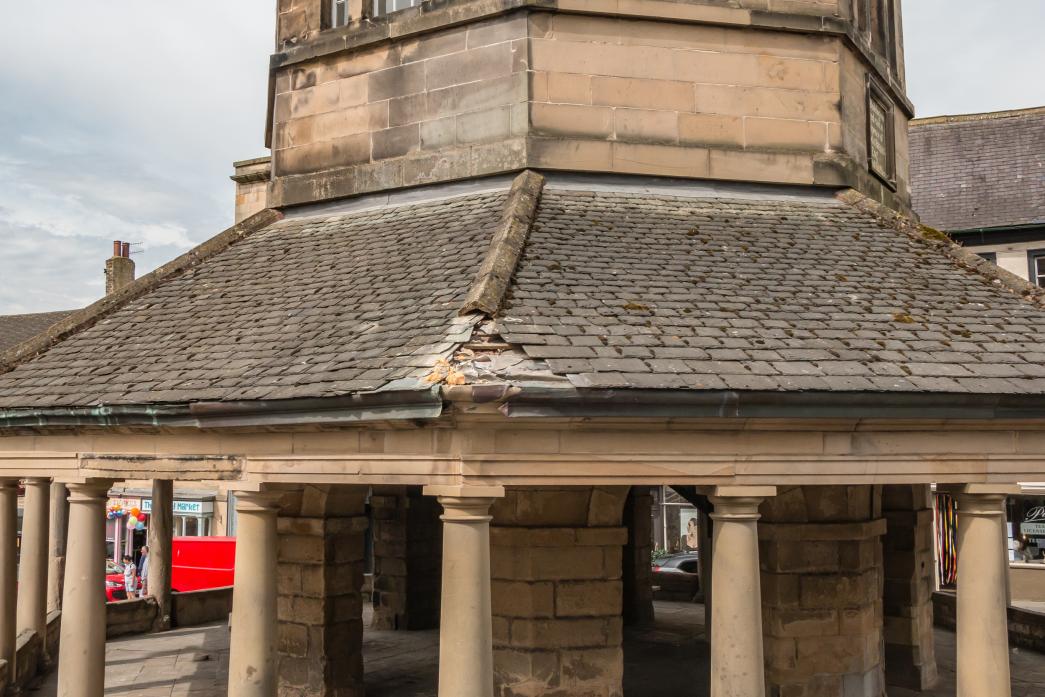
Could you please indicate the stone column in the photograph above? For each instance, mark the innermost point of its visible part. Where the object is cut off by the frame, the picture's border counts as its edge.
(8, 570)
(81, 655)
(737, 668)
(161, 530)
(637, 570)
(982, 621)
(59, 526)
(465, 628)
(319, 572)
(252, 648)
(407, 558)
(908, 565)
(32, 567)
(556, 567)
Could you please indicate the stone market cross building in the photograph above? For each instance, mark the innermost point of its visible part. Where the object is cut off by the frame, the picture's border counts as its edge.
(524, 259)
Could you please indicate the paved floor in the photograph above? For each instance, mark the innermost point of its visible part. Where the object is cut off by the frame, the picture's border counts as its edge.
(669, 658)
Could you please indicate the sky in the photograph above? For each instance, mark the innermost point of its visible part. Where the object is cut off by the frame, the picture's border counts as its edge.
(121, 119)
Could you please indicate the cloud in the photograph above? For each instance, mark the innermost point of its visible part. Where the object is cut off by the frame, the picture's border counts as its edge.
(967, 56)
(124, 131)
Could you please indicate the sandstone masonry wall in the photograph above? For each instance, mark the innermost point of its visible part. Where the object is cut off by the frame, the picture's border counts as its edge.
(319, 580)
(556, 570)
(910, 656)
(408, 548)
(821, 559)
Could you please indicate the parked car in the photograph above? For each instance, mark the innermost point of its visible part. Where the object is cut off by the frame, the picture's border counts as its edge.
(199, 563)
(114, 586)
(677, 577)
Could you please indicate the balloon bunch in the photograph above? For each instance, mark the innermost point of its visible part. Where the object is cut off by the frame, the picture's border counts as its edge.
(115, 511)
(136, 519)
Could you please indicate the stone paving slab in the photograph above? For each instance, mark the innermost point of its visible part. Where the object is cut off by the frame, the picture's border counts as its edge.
(668, 658)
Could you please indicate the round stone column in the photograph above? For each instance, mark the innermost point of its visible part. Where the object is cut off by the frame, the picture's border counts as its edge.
(252, 649)
(8, 569)
(59, 527)
(737, 668)
(32, 568)
(465, 629)
(982, 620)
(81, 654)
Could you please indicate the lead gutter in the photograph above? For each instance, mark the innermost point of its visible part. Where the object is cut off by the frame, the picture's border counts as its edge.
(674, 404)
(359, 408)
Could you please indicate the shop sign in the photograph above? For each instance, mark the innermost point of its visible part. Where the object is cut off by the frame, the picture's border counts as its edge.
(1033, 529)
(1035, 514)
(189, 508)
(125, 504)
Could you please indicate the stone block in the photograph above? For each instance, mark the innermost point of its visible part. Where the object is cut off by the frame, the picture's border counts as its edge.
(572, 120)
(788, 623)
(588, 599)
(711, 129)
(520, 599)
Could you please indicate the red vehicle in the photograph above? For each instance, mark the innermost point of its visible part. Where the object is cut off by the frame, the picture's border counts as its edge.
(114, 586)
(200, 563)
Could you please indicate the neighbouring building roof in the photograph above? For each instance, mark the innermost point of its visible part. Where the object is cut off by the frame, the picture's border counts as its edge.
(14, 329)
(979, 170)
(616, 286)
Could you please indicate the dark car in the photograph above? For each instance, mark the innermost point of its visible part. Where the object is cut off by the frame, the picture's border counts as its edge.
(677, 577)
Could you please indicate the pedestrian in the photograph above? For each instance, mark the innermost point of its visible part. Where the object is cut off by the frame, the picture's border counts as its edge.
(130, 576)
(143, 573)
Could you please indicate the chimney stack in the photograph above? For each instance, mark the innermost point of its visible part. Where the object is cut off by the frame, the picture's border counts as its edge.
(119, 271)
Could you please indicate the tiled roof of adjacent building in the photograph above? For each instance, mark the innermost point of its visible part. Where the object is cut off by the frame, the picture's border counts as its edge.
(979, 170)
(14, 329)
(615, 287)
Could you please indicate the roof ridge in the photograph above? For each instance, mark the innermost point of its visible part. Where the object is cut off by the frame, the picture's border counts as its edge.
(495, 273)
(93, 313)
(938, 240)
(977, 117)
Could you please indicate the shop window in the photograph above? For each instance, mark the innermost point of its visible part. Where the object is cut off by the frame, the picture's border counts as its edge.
(1028, 528)
(1036, 262)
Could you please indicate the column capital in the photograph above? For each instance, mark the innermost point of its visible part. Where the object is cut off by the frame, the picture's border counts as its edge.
(8, 483)
(465, 504)
(738, 502)
(90, 491)
(979, 489)
(464, 491)
(37, 481)
(257, 501)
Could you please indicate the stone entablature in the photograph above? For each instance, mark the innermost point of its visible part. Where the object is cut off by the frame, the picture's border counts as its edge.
(479, 87)
(526, 453)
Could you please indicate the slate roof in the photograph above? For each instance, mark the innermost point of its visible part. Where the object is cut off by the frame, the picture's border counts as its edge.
(635, 290)
(14, 329)
(308, 307)
(614, 288)
(979, 170)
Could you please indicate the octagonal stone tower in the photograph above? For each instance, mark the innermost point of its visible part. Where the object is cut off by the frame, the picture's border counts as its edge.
(806, 92)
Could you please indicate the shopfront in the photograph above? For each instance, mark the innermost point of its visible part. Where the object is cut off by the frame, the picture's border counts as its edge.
(127, 522)
(1025, 529)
